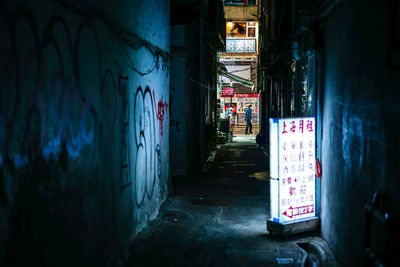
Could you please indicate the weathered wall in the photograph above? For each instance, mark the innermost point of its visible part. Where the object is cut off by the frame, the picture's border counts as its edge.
(360, 123)
(83, 136)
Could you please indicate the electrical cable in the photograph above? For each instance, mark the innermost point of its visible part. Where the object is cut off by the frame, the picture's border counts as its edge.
(124, 35)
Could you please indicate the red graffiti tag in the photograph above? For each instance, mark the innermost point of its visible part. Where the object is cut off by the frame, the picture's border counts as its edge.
(161, 112)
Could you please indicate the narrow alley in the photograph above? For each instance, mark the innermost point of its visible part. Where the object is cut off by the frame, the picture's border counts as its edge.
(199, 133)
(219, 219)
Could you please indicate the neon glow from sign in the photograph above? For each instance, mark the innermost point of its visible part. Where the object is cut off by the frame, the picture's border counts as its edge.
(292, 168)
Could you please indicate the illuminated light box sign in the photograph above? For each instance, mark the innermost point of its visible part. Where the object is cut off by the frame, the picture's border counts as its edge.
(240, 45)
(227, 91)
(292, 170)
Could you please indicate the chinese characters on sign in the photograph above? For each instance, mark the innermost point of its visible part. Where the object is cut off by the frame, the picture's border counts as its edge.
(227, 91)
(294, 163)
(240, 45)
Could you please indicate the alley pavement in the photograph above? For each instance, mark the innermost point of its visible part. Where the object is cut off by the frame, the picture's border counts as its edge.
(219, 218)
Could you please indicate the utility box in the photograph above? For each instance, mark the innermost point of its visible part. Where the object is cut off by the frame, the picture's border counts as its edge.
(292, 175)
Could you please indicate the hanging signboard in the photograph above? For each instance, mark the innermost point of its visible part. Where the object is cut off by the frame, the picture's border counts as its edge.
(292, 170)
(240, 45)
(227, 91)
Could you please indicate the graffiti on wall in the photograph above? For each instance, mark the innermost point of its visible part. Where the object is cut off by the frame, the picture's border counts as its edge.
(67, 133)
(148, 155)
(48, 110)
(161, 113)
(58, 100)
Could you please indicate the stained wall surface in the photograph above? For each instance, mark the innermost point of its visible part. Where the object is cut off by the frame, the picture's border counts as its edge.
(84, 126)
(360, 122)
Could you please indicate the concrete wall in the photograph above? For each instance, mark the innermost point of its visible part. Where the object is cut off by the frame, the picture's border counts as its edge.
(360, 123)
(83, 136)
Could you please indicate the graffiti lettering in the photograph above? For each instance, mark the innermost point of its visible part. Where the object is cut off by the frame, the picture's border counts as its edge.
(161, 112)
(148, 157)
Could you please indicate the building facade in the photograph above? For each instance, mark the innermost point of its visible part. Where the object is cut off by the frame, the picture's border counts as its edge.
(335, 61)
(240, 59)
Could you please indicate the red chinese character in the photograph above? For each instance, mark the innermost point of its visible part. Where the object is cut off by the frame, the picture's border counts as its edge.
(301, 126)
(289, 213)
(284, 128)
(295, 211)
(309, 126)
(293, 127)
(289, 180)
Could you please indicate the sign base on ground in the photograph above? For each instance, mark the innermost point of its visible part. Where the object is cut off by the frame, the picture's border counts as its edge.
(290, 227)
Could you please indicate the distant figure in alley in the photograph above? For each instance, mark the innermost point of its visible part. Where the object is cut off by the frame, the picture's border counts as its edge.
(248, 120)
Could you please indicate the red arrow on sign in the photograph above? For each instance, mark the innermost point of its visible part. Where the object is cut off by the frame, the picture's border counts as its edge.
(289, 212)
(296, 211)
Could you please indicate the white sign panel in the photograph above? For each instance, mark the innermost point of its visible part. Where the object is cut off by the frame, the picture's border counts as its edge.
(292, 163)
(240, 45)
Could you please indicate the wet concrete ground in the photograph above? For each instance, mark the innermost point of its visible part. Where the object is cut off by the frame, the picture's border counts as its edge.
(219, 218)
